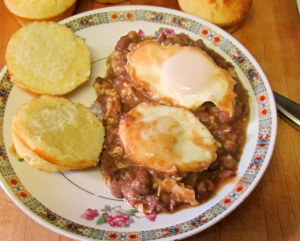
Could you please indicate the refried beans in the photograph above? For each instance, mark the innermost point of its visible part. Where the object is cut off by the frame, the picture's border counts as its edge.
(148, 190)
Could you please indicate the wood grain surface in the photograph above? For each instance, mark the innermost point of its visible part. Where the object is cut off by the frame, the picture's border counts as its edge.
(271, 33)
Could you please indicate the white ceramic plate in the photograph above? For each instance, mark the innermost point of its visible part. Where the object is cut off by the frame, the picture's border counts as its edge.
(78, 204)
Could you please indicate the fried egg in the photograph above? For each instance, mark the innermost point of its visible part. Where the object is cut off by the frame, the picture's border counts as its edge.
(167, 139)
(183, 76)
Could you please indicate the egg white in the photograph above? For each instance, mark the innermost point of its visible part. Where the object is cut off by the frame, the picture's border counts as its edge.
(181, 75)
(167, 139)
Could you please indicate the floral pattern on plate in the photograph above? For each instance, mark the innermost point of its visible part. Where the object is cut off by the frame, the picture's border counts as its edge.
(115, 216)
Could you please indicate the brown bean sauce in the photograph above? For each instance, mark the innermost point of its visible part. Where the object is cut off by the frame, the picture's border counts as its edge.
(137, 184)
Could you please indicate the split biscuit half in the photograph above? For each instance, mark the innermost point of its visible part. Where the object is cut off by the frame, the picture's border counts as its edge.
(55, 134)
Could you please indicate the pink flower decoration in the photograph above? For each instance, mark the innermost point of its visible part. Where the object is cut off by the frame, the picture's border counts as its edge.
(151, 217)
(141, 33)
(90, 214)
(118, 220)
(168, 31)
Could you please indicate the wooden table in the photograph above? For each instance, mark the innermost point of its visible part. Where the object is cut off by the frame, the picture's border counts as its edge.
(272, 212)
